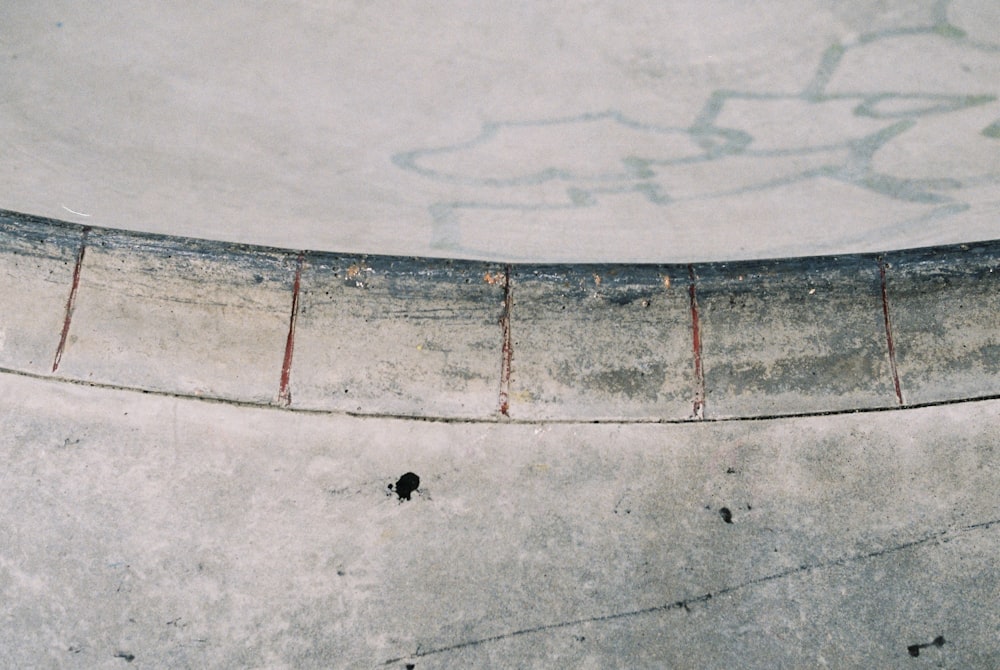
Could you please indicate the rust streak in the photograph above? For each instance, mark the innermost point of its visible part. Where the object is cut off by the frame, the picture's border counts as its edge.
(508, 346)
(699, 373)
(890, 344)
(71, 301)
(284, 388)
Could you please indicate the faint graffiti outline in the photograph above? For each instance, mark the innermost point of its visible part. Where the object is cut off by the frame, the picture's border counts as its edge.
(637, 174)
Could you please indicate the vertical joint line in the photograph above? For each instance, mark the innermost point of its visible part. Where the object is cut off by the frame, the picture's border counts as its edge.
(890, 344)
(284, 387)
(71, 301)
(699, 372)
(507, 352)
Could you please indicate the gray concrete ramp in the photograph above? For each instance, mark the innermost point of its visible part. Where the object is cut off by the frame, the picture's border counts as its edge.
(231, 456)
(500, 335)
(171, 532)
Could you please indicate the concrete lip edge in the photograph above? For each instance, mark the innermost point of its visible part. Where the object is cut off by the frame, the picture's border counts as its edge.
(447, 339)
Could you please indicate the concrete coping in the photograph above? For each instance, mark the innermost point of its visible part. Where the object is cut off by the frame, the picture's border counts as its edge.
(444, 339)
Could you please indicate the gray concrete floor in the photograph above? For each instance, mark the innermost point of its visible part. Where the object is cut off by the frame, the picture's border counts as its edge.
(163, 530)
(550, 131)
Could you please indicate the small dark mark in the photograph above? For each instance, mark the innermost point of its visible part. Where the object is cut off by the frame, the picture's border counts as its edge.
(730, 471)
(128, 657)
(406, 485)
(726, 515)
(341, 573)
(914, 649)
(411, 666)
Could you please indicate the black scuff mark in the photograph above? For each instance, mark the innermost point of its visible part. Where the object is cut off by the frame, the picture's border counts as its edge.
(914, 649)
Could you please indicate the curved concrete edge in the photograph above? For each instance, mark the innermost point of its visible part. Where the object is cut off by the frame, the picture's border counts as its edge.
(480, 341)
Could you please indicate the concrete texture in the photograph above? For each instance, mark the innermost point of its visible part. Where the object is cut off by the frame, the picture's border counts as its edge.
(427, 224)
(443, 339)
(542, 132)
(397, 336)
(592, 342)
(144, 531)
(795, 336)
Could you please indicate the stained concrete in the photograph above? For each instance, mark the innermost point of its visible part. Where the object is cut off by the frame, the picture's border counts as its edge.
(657, 132)
(373, 331)
(184, 489)
(144, 531)
(464, 340)
(599, 342)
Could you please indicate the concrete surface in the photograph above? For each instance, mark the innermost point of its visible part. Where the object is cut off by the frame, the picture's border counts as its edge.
(443, 339)
(540, 132)
(557, 521)
(620, 465)
(144, 531)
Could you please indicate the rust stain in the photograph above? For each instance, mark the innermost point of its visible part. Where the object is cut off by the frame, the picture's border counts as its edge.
(890, 344)
(507, 349)
(699, 371)
(666, 282)
(71, 301)
(284, 385)
(493, 279)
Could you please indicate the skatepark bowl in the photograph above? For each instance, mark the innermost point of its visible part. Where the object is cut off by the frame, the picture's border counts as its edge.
(636, 463)
(500, 335)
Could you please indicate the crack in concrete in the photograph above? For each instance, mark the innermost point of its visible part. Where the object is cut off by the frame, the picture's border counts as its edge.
(685, 603)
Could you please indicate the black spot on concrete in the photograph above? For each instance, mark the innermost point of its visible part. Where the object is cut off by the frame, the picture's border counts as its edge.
(726, 515)
(914, 649)
(411, 666)
(128, 657)
(406, 485)
(730, 471)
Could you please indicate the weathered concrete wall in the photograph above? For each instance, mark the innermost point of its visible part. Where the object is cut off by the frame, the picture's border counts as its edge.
(437, 338)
